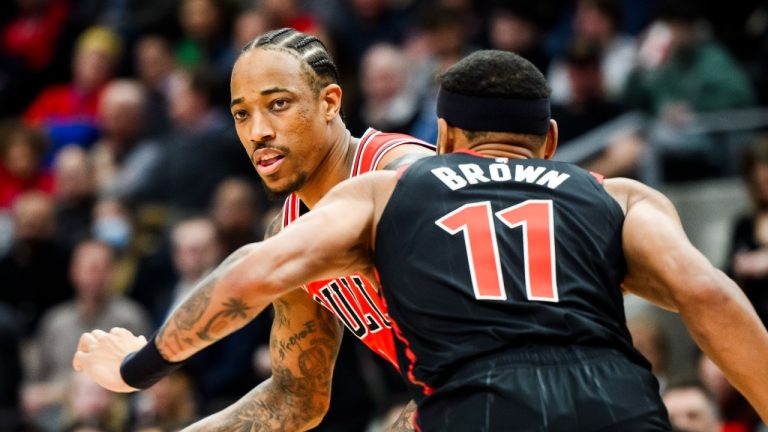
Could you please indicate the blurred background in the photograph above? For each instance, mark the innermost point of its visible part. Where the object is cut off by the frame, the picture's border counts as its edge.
(122, 181)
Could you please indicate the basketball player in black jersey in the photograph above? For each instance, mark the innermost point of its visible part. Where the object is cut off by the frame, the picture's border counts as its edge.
(503, 271)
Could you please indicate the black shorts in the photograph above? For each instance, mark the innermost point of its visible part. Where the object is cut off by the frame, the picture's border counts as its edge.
(547, 389)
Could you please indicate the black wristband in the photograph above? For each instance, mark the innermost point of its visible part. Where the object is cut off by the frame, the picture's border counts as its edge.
(143, 368)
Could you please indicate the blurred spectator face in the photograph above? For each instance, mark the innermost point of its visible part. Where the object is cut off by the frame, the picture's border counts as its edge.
(446, 38)
(73, 174)
(234, 206)
(369, 9)
(199, 19)
(184, 106)
(586, 81)
(593, 24)
(511, 33)
(90, 270)
(20, 158)
(690, 410)
(112, 224)
(172, 398)
(384, 72)
(154, 60)
(195, 248)
(120, 111)
(248, 25)
(97, 52)
(714, 380)
(34, 217)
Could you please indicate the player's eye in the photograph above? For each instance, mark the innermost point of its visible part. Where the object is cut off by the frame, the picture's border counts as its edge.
(279, 104)
(240, 115)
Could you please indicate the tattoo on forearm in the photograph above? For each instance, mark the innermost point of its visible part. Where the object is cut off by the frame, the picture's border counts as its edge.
(175, 337)
(233, 309)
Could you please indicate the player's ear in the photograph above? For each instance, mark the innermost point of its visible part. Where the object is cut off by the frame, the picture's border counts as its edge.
(330, 98)
(550, 143)
(444, 137)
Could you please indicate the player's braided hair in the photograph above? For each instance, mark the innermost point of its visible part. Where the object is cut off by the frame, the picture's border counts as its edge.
(309, 49)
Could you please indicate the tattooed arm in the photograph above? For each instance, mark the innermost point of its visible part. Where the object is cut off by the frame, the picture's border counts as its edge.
(303, 347)
(404, 422)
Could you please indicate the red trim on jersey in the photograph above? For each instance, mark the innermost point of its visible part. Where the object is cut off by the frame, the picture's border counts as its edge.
(469, 151)
(426, 389)
(374, 145)
(599, 177)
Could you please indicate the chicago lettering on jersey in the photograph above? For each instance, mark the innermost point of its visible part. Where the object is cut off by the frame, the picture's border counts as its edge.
(343, 297)
(470, 174)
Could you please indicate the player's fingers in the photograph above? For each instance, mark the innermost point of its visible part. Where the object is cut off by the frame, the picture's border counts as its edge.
(118, 331)
(77, 360)
(87, 341)
(99, 334)
(143, 339)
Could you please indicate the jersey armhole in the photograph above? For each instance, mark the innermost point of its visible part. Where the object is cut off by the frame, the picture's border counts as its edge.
(599, 177)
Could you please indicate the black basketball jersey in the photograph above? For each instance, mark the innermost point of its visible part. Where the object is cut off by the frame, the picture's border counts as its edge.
(478, 256)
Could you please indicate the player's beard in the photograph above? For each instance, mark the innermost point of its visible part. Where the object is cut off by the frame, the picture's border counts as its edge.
(275, 194)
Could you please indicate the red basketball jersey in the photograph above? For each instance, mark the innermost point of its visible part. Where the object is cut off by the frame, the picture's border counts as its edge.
(355, 299)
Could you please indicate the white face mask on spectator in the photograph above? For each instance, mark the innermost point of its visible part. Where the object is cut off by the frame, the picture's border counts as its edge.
(113, 230)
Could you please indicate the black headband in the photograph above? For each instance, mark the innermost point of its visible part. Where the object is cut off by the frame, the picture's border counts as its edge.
(473, 113)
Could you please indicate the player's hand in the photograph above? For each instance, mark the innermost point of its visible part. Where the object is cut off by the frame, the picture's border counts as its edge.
(99, 355)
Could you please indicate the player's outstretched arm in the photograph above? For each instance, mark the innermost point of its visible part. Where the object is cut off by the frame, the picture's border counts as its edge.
(664, 267)
(332, 240)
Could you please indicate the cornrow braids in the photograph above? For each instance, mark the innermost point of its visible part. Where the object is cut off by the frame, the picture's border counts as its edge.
(310, 50)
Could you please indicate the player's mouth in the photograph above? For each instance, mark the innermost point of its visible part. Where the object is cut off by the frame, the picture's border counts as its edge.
(268, 162)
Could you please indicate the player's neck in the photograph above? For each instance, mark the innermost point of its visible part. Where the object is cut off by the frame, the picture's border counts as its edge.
(333, 169)
(503, 150)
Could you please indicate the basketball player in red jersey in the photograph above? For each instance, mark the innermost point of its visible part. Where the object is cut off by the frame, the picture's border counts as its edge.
(503, 272)
(285, 104)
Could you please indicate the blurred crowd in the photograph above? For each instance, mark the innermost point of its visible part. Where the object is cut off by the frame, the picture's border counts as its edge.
(122, 181)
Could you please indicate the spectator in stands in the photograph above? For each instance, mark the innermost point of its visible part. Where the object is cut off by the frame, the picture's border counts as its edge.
(34, 272)
(27, 44)
(155, 64)
(680, 72)
(748, 258)
(88, 405)
(121, 158)
(93, 307)
(21, 153)
(170, 404)
(597, 22)
(68, 112)
(649, 338)
(185, 178)
(691, 407)
(586, 105)
(389, 100)
(515, 27)
(205, 29)
(235, 211)
(73, 194)
(735, 412)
